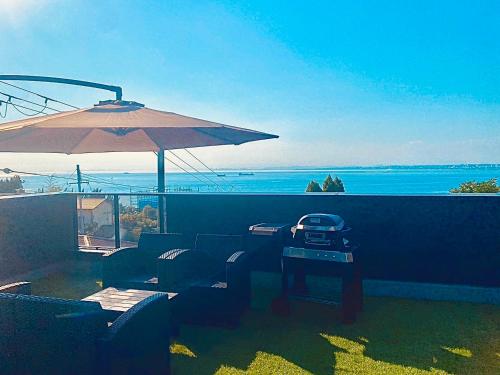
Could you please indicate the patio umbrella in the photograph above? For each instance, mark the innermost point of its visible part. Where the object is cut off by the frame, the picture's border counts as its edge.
(119, 126)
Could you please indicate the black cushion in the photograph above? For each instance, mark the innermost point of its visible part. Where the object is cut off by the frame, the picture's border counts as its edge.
(220, 246)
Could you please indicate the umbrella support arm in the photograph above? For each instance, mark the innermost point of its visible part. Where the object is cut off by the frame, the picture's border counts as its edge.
(116, 89)
(161, 189)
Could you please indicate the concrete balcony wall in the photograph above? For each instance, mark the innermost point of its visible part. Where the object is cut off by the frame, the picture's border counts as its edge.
(428, 238)
(36, 231)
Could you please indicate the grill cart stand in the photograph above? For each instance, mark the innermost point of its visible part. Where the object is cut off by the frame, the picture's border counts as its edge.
(302, 261)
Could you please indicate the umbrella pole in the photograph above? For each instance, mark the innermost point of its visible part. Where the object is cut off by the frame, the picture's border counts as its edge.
(161, 189)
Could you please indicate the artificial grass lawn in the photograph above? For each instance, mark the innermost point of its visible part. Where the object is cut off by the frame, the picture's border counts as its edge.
(77, 282)
(392, 336)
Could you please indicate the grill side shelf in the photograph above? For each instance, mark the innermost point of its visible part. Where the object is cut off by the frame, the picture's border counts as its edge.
(323, 255)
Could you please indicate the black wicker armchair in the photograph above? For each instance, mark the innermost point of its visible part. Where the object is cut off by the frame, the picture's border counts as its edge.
(213, 280)
(44, 335)
(136, 267)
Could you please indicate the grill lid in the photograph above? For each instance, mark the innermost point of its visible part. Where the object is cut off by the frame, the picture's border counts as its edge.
(322, 222)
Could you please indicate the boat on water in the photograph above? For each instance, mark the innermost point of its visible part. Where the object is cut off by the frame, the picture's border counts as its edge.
(245, 173)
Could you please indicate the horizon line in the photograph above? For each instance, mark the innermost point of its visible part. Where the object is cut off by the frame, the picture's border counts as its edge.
(288, 168)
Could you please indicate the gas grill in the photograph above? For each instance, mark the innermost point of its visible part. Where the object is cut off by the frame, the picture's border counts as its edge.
(320, 247)
(320, 231)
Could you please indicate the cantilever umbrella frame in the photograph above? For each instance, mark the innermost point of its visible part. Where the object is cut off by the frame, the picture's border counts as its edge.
(117, 126)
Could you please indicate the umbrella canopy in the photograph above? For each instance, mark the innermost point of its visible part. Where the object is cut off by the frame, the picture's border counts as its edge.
(118, 126)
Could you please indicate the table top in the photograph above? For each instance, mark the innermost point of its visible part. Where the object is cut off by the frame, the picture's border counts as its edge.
(121, 300)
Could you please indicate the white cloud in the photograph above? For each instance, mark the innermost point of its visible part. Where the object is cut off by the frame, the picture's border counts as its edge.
(16, 12)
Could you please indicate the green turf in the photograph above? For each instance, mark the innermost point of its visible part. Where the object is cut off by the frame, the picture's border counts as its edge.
(392, 336)
(79, 281)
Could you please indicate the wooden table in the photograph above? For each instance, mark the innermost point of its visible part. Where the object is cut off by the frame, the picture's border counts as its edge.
(116, 300)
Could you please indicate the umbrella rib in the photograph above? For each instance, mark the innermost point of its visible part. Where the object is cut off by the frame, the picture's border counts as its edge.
(7, 136)
(36, 120)
(80, 141)
(199, 130)
(146, 131)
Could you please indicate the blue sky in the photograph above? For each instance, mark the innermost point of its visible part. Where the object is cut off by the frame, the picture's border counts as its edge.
(342, 83)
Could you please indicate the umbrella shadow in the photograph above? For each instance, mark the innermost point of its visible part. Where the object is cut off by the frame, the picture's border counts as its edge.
(390, 334)
(290, 342)
(452, 337)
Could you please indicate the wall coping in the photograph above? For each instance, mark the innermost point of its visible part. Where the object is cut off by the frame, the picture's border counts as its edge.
(15, 196)
(450, 195)
(378, 195)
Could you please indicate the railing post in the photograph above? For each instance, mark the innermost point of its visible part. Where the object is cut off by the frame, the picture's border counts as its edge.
(76, 224)
(116, 213)
(161, 189)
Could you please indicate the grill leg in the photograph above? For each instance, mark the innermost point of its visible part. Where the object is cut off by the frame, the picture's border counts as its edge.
(281, 305)
(358, 288)
(348, 300)
(299, 282)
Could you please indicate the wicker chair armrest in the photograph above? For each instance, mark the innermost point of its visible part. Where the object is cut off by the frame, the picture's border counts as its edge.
(120, 252)
(238, 270)
(175, 254)
(22, 287)
(139, 317)
(139, 338)
(236, 258)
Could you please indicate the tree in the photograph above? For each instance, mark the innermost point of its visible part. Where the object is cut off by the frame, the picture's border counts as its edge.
(11, 185)
(488, 186)
(340, 185)
(51, 185)
(313, 187)
(333, 185)
(330, 185)
(135, 221)
(150, 212)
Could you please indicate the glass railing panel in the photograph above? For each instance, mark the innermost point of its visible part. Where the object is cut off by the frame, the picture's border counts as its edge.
(96, 221)
(138, 214)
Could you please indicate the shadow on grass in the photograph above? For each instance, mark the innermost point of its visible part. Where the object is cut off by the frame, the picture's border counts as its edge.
(453, 337)
(391, 336)
(292, 345)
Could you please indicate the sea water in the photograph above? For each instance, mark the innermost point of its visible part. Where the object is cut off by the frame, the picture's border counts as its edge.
(359, 180)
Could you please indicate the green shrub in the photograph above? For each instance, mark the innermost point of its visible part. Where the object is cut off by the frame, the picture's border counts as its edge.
(489, 186)
(11, 185)
(333, 185)
(330, 185)
(313, 187)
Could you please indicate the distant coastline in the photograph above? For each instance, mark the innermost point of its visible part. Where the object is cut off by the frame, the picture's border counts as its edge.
(390, 179)
(298, 168)
(381, 166)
